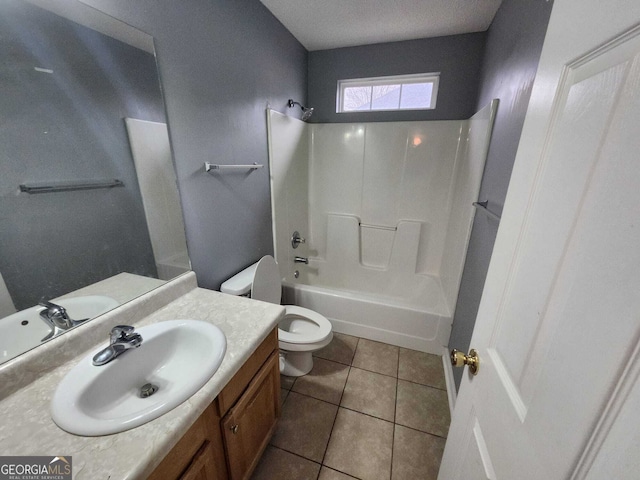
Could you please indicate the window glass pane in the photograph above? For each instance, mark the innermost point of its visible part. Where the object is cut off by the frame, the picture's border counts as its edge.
(394, 92)
(357, 98)
(416, 95)
(386, 97)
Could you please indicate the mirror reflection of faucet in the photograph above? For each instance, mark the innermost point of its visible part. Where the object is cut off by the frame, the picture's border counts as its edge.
(57, 319)
(121, 339)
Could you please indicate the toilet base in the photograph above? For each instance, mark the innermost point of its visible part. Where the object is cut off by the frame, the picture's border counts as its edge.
(295, 364)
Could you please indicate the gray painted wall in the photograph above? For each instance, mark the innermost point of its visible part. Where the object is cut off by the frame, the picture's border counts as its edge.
(221, 63)
(64, 126)
(514, 43)
(457, 57)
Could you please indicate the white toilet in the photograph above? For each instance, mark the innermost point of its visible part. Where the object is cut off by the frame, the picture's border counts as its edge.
(300, 333)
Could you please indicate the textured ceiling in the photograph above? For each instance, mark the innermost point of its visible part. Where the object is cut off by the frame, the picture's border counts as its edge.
(325, 24)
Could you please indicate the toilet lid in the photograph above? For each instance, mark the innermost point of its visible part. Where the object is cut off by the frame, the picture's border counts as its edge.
(267, 285)
(313, 336)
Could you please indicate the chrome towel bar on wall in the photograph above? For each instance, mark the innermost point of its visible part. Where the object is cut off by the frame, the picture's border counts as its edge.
(50, 187)
(208, 167)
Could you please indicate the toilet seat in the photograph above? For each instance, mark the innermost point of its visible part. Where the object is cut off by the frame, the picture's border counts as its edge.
(318, 333)
(311, 331)
(301, 331)
(266, 284)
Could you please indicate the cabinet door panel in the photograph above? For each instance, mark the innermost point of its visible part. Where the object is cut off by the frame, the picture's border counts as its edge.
(200, 448)
(203, 465)
(248, 426)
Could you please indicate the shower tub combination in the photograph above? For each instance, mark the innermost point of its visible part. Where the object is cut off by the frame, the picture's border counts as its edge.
(386, 213)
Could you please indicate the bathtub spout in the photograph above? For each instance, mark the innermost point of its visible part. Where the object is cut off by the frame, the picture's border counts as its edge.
(304, 260)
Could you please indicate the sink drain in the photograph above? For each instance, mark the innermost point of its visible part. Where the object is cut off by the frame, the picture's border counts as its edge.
(148, 389)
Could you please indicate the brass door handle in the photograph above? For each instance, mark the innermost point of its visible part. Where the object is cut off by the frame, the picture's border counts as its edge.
(459, 359)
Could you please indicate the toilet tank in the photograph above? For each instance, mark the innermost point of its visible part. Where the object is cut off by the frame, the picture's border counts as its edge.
(261, 281)
(240, 283)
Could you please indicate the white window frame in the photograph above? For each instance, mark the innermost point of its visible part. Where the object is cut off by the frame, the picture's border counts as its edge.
(433, 78)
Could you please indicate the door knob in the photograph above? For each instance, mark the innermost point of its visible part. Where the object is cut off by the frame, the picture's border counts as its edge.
(459, 359)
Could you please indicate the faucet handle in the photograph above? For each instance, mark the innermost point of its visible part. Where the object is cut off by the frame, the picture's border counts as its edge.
(53, 308)
(55, 315)
(120, 332)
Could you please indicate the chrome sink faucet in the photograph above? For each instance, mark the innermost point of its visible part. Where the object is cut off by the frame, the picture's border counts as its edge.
(57, 319)
(55, 315)
(121, 339)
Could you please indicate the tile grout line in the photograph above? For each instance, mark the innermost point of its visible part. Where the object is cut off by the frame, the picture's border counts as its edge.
(295, 454)
(345, 474)
(347, 408)
(423, 385)
(379, 373)
(339, 402)
(421, 431)
(395, 410)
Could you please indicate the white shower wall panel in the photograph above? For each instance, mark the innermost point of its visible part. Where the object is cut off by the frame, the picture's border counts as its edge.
(335, 177)
(385, 150)
(383, 173)
(151, 153)
(464, 192)
(343, 269)
(289, 174)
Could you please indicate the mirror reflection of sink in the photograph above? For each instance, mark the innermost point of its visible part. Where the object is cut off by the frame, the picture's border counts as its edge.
(176, 358)
(24, 330)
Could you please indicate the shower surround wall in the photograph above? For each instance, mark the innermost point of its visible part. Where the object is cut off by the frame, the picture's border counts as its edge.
(386, 212)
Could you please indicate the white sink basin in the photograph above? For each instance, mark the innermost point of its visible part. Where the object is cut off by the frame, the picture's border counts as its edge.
(24, 330)
(178, 356)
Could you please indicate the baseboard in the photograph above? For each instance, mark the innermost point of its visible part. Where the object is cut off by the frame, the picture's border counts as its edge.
(452, 394)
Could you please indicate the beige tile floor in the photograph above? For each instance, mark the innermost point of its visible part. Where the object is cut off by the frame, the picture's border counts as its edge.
(367, 410)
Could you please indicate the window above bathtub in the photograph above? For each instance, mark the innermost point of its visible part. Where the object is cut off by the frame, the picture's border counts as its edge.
(398, 92)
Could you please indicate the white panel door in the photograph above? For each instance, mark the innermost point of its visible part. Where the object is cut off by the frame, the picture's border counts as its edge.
(558, 328)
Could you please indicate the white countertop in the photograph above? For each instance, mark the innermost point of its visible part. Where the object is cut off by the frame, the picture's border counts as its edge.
(28, 382)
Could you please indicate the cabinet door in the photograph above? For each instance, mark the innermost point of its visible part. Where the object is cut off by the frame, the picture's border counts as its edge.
(203, 466)
(198, 455)
(248, 426)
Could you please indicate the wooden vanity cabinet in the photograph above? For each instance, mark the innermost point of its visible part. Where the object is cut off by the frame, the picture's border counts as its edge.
(228, 439)
(199, 454)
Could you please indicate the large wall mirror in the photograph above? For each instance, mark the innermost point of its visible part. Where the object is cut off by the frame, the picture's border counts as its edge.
(89, 206)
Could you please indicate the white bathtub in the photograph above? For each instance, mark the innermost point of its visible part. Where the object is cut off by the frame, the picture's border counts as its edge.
(385, 319)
